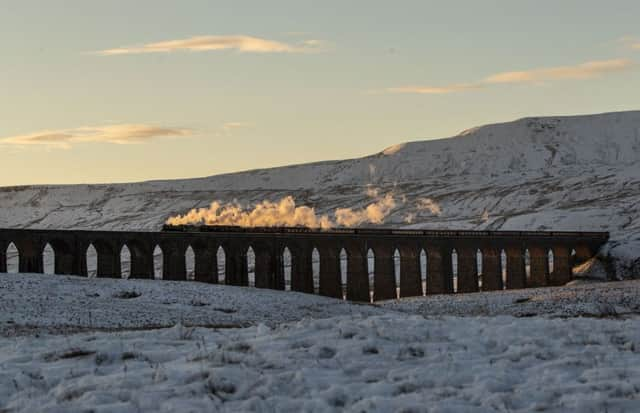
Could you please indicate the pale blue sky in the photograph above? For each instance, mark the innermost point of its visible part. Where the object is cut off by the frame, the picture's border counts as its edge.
(66, 108)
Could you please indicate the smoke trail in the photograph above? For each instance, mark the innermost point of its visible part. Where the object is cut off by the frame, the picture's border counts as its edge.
(374, 213)
(266, 214)
(283, 213)
(428, 204)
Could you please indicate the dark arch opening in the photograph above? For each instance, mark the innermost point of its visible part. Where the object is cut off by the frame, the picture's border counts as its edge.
(190, 263)
(396, 270)
(251, 267)
(48, 259)
(315, 270)
(221, 257)
(454, 269)
(125, 261)
(13, 259)
(286, 263)
(92, 261)
(423, 271)
(344, 258)
(158, 262)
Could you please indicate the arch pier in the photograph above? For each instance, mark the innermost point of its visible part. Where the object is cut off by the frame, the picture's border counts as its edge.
(393, 251)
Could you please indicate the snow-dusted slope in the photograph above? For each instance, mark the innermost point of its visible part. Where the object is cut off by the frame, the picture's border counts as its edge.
(563, 173)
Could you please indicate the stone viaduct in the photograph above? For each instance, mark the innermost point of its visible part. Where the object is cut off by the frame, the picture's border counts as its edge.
(508, 259)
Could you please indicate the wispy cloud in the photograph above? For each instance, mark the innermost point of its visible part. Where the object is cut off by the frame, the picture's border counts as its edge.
(227, 129)
(239, 43)
(582, 71)
(587, 70)
(630, 42)
(115, 134)
(433, 90)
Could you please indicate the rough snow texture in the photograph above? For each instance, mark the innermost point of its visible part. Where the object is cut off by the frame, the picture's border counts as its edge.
(351, 363)
(556, 173)
(34, 303)
(584, 299)
(308, 353)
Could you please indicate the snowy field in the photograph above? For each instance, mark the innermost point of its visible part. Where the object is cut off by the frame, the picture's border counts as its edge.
(72, 344)
(582, 299)
(349, 363)
(64, 304)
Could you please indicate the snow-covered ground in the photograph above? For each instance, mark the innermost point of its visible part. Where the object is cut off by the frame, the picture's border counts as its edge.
(578, 299)
(552, 173)
(348, 363)
(35, 303)
(72, 344)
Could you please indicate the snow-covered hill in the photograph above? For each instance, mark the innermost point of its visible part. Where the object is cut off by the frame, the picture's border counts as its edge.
(553, 173)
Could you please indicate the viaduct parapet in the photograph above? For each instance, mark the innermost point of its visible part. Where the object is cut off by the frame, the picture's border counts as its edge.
(319, 261)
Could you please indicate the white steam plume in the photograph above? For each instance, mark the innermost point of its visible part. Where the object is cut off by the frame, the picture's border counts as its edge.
(428, 204)
(374, 213)
(283, 213)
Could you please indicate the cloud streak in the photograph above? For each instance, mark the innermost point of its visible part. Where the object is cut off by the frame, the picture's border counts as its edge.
(630, 42)
(239, 43)
(583, 71)
(115, 134)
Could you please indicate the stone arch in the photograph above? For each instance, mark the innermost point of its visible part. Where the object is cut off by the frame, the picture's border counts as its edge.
(503, 267)
(330, 285)
(344, 276)
(454, 269)
(251, 266)
(423, 270)
(108, 259)
(48, 259)
(190, 263)
(516, 272)
(263, 266)
(397, 270)
(92, 261)
(384, 286)
(357, 278)
(527, 265)
(301, 268)
(65, 260)
(491, 268)
(467, 269)
(13, 258)
(371, 271)
(480, 268)
(125, 261)
(287, 259)
(158, 262)
(315, 269)
(141, 259)
(221, 256)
